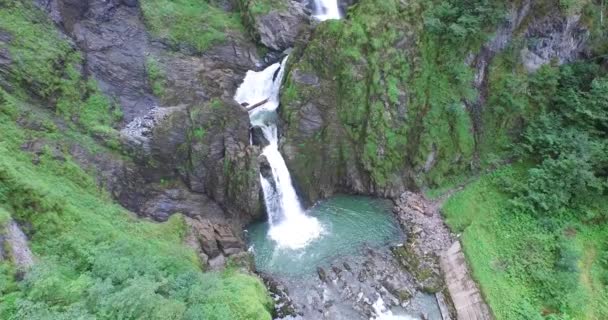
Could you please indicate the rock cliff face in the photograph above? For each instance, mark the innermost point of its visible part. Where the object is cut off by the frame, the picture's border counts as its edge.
(188, 143)
(376, 112)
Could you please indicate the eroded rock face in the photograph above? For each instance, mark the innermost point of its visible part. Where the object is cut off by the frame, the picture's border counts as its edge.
(280, 26)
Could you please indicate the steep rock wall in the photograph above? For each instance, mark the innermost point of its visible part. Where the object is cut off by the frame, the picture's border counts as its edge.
(394, 98)
(186, 129)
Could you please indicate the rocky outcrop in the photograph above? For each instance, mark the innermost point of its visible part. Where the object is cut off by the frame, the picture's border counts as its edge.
(548, 37)
(324, 155)
(277, 28)
(214, 242)
(466, 296)
(559, 39)
(15, 241)
(350, 289)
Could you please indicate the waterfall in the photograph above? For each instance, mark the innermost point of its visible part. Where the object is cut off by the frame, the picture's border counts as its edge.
(290, 227)
(327, 9)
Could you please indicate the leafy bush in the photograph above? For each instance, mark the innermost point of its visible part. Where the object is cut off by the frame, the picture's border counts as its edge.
(568, 141)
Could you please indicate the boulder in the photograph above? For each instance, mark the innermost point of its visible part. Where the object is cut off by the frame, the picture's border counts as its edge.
(278, 28)
(227, 241)
(213, 239)
(258, 138)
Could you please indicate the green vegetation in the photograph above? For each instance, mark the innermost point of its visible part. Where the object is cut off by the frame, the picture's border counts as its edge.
(535, 234)
(530, 267)
(156, 76)
(195, 23)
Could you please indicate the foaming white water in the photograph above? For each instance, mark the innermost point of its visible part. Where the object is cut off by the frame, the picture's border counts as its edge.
(327, 9)
(384, 313)
(290, 227)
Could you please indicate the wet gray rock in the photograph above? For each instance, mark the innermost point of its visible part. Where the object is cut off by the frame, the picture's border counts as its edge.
(306, 78)
(258, 138)
(322, 275)
(227, 241)
(139, 133)
(311, 121)
(163, 201)
(336, 294)
(265, 168)
(428, 238)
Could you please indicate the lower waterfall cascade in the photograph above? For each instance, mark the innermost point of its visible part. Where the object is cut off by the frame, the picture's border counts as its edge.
(291, 228)
(327, 9)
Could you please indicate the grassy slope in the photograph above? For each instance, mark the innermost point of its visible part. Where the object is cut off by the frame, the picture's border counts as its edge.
(196, 23)
(513, 255)
(95, 260)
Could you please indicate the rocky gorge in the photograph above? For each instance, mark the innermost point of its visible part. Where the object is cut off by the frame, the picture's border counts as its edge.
(396, 100)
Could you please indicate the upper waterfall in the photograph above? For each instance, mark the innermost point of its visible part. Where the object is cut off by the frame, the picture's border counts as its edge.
(290, 226)
(327, 9)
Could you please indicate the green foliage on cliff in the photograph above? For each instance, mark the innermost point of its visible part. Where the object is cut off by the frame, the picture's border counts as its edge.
(156, 76)
(95, 260)
(401, 82)
(259, 7)
(195, 23)
(567, 141)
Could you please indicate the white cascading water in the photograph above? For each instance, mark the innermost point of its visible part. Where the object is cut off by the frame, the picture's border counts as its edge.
(290, 227)
(327, 9)
(384, 313)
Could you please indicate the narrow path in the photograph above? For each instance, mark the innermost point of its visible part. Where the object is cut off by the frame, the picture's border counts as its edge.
(438, 249)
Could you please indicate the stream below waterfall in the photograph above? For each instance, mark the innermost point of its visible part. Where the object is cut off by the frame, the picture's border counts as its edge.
(350, 224)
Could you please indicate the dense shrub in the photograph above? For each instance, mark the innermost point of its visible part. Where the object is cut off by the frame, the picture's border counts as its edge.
(568, 141)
